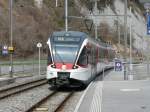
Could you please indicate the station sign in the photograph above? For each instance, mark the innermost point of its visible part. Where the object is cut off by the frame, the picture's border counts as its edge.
(118, 66)
(148, 24)
(11, 50)
(147, 5)
(5, 47)
(4, 50)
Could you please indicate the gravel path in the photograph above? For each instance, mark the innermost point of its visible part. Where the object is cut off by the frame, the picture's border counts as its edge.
(22, 80)
(23, 101)
(71, 104)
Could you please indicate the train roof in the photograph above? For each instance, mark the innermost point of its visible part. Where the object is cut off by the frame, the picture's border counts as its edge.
(79, 34)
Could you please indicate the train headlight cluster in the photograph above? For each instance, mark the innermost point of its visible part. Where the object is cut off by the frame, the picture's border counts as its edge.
(64, 67)
(75, 67)
(53, 66)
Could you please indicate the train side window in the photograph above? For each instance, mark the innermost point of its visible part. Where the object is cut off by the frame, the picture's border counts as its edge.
(49, 58)
(89, 56)
(101, 54)
(83, 58)
(88, 51)
(94, 55)
(106, 53)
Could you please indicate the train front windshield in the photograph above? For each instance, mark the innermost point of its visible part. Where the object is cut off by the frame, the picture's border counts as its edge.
(65, 49)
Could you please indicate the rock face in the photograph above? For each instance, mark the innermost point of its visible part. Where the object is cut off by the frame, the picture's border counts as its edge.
(106, 19)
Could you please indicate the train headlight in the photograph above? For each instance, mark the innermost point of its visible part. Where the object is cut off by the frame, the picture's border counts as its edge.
(75, 67)
(53, 66)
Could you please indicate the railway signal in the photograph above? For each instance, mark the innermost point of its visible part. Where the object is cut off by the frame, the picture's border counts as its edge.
(39, 45)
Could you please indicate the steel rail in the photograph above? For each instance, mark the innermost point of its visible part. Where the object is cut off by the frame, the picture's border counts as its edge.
(61, 105)
(21, 88)
(36, 107)
(41, 101)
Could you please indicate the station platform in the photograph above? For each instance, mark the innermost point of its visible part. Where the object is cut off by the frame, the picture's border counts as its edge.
(115, 96)
(6, 80)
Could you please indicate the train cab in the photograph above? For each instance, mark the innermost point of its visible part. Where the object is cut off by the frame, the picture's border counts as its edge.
(67, 55)
(73, 58)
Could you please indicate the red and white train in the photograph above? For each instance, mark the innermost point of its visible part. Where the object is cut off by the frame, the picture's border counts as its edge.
(74, 58)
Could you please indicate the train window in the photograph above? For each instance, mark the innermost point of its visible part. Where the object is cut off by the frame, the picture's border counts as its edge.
(89, 53)
(101, 54)
(94, 56)
(64, 53)
(49, 58)
(111, 54)
(83, 58)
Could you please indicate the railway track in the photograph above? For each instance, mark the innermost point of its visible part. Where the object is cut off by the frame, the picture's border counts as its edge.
(21, 88)
(47, 103)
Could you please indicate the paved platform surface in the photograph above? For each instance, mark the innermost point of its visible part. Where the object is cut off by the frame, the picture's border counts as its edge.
(126, 96)
(6, 81)
(114, 76)
(116, 96)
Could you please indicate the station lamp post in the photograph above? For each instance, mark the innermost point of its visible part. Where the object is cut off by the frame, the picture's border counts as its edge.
(11, 37)
(131, 66)
(56, 3)
(125, 38)
(66, 15)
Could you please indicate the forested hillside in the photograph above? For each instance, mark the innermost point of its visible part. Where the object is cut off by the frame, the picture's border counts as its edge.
(32, 24)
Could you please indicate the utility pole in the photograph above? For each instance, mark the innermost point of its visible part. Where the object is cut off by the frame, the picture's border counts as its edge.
(66, 15)
(131, 67)
(96, 34)
(118, 33)
(11, 36)
(147, 18)
(130, 41)
(56, 3)
(118, 30)
(125, 38)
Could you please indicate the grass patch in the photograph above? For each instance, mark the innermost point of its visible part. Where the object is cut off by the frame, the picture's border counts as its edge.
(23, 62)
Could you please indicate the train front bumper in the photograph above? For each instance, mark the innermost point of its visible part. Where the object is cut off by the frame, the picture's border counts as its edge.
(81, 74)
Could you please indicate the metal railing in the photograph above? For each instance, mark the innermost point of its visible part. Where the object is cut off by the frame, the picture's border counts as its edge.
(23, 67)
(105, 70)
(139, 71)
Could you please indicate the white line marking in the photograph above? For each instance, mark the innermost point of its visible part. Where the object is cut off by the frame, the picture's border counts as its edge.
(101, 97)
(96, 105)
(82, 97)
(129, 90)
